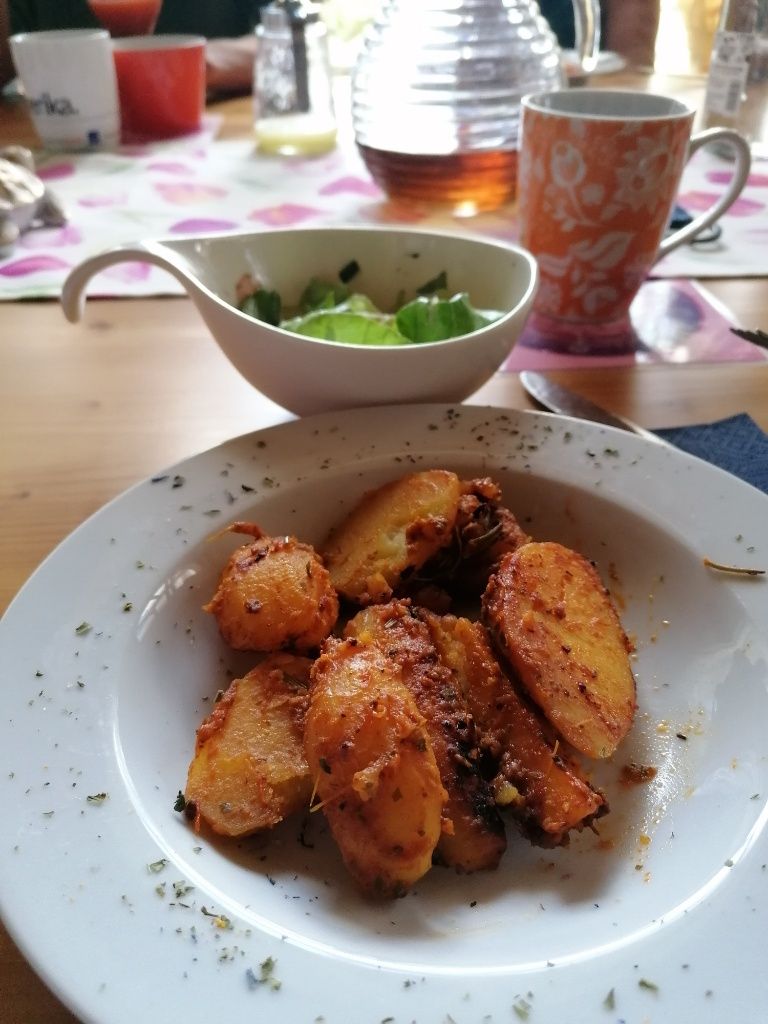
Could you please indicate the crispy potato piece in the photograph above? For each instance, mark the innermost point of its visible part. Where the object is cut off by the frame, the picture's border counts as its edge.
(484, 531)
(375, 771)
(544, 789)
(473, 834)
(249, 770)
(554, 621)
(391, 531)
(274, 593)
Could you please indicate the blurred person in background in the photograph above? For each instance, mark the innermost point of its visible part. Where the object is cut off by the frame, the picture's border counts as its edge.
(227, 25)
(628, 27)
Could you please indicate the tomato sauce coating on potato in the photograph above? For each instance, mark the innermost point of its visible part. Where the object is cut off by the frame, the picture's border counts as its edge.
(553, 620)
(532, 776)
(274, 594)
(249, 770)
(473, 833)
(375, 772)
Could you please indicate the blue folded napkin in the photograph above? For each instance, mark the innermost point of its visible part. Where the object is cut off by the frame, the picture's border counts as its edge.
(736, 444)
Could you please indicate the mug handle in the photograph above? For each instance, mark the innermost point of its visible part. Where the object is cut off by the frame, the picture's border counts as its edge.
(738, 181)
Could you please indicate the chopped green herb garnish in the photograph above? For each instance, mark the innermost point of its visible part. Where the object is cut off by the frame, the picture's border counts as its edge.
(181, 802)
(348, 271)
(83, 628)
(651, 986)
(97, 798)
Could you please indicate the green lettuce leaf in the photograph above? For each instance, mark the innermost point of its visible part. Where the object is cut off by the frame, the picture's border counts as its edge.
(343, 325)
(435, 319)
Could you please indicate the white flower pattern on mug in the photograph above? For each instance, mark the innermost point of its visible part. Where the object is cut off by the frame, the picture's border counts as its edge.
(591, 271)
(643, 173)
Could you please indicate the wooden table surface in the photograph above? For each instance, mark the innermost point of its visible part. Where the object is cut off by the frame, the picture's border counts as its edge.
(87, 410)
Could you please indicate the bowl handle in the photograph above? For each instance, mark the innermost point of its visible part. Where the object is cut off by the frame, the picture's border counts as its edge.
(73, 289)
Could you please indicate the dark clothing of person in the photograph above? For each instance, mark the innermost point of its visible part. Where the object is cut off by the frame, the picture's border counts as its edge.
(559, 14)
(213, 19)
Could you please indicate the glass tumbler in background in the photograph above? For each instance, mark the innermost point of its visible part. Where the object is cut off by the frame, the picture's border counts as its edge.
(292, 91)
(436, 94)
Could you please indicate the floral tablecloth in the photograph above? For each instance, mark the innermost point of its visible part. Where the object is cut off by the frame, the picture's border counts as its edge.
(201, 184)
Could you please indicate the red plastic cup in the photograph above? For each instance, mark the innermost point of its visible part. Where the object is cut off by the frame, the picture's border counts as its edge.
(161, 85)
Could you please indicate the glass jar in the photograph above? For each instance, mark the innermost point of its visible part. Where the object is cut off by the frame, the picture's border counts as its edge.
(292, 90)
(436, 94)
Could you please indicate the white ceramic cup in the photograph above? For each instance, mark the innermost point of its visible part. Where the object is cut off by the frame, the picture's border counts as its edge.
(69, 79)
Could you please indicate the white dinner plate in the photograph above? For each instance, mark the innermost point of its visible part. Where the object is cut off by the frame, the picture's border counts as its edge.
(110, 664)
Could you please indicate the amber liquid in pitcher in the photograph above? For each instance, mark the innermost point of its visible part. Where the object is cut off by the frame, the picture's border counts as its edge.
(468, 182)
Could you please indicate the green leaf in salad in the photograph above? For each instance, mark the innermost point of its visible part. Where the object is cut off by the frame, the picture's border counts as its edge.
(436, 284)
(330, 311)
(435, 319)
(321, 294)
(263, 305)
(355, 322)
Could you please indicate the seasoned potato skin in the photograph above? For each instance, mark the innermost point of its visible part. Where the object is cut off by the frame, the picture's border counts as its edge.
(274, 594)
(473, 833)
(552, 619)
(249, 770)
(374, 769)
(542, 787)
(392, 530)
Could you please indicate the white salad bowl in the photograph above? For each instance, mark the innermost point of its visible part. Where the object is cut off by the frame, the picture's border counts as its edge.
(306, 375)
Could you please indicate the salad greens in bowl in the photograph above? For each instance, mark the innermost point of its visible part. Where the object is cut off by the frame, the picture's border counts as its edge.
(332, 311)
(329, 318)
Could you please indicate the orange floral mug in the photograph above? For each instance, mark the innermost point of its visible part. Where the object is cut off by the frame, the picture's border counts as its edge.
(598, 175)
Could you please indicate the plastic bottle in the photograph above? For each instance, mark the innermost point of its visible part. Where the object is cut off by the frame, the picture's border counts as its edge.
(292, 90)
(737, 83)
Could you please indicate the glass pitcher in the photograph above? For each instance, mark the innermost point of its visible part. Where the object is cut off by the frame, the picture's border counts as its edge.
(436, 94)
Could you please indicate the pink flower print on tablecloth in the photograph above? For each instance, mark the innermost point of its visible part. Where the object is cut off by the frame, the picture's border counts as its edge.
(724, 178)
(170, 167)
(103, 200)
(201, 225)
(391, 212)
(284, 215)
(695, 201)
(352, 185)
(51, 238)
(32, 265)
(188, 193)
(55, 171)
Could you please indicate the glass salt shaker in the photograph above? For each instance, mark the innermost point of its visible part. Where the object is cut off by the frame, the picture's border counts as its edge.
(292, 89)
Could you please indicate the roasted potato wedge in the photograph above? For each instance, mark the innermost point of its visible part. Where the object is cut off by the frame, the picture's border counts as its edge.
(393, 530)
(484, 531)
(249, 770)
(553, 620)
(374, 769)
(473, 833)
(274, 593)
(541, 786)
